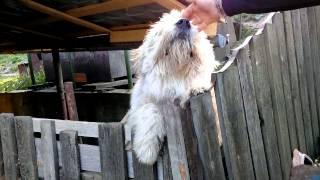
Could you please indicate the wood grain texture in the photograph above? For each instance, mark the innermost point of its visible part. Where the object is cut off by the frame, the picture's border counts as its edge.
(26, 148)
(295, 90)
(314, 75)
(87, 129)
(278, 100)
(142, 171)
(70, 155)
(297, 28)
(252, 116)
(309, 76)
(9, 146)
(49, 150)
(264, 103)
(176, 145)
(233, 125)
(282, 49)
(112, 151)
(207, 136)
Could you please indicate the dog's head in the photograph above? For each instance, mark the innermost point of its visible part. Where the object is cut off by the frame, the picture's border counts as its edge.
(172, 44)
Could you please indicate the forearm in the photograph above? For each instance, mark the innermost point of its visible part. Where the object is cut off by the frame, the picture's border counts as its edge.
(233, 7)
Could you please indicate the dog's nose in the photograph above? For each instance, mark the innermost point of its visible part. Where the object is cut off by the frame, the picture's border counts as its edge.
(183, 24)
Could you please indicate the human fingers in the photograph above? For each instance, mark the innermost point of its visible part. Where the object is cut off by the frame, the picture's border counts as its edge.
(196, 20)
(188, 12)
(202, 26)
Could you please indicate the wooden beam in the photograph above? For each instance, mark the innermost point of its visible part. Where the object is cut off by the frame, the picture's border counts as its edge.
(170, 4)
(131, 27)
(127, 36)
(61, 15)
(104, 7)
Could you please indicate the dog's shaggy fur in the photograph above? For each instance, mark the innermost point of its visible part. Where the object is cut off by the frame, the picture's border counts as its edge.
(171, 63)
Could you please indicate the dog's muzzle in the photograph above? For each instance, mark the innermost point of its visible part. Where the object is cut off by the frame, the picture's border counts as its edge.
(183, 28)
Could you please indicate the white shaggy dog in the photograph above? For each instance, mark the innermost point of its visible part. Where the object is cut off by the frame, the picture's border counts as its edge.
(174, 61)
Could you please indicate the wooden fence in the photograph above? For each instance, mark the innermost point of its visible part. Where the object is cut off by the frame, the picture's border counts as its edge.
(268, 103)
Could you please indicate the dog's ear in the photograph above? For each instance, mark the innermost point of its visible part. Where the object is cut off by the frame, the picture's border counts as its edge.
(136, 59)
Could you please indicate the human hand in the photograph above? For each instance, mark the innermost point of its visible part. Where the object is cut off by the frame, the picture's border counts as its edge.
(204, 12)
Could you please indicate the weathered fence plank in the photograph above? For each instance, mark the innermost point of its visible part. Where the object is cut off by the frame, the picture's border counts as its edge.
(314, 75)
(70, 155)
(90, 176)
(9, 146)
(206, 132)
(317, 61)
(87, 129)
(49, 150)
(234, 129)
(309, 75)
(1, 161)
(112, 151)
(278, 101)
(192, 145)
(282, 50)
(164, 167)
(177, 151)
(264, 103)
(26, 148)
(295, 91)
(296, 22)
(252, 116)
(142, 171)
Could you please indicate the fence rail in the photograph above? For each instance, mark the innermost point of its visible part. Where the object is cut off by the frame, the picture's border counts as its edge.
(265, 105)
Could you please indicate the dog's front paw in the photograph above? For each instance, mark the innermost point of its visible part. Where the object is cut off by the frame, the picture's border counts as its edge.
(147, 150)
(197, 91)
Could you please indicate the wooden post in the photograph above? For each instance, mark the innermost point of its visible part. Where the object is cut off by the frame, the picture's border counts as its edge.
(70, 155)
(26, 148)
(33, 80)
(59, 81)
(9, 146)
(129, 73)
(49, 150)
(71, 101)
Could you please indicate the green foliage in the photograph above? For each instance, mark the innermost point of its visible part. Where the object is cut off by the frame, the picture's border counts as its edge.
(9, 62)
(20, 82)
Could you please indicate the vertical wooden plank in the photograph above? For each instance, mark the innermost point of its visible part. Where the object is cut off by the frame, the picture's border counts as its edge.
(49, 150)
(314, 66)
(1, 160)
(26, 148)
(295, 89)
(264, 103)
(70, 155)
(317, 61)
(9, 146)
(164, 166)
(176, 145)
(191, 143)
(71, 102)
(112, 151)
(279, 27)
(296, 22)
(207, 136)
(278, 100)
(309, 75)
(142, 171)
(252, 116)
(233, 126)
(59, 81)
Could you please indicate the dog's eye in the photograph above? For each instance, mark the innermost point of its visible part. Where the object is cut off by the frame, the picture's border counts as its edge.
(167, 52)
(191, 54)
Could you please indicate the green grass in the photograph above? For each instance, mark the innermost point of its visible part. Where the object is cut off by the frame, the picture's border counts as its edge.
(10, 62)
(12, 83)
(9, 65)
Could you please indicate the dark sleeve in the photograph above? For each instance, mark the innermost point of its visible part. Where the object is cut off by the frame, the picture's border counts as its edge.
(233, 7)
